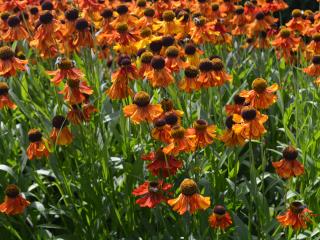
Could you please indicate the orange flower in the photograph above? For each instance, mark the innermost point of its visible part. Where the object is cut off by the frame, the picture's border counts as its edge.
(141, 109)
(14, 203)
(161, 164)
(60, 133)
(203, 31)
(47, 36)
(152, 193)
(75, 91)
(189, 198)
(37, 147)
(161, 131)
(170, 25)
(239, 22)
(9, 5)
(229, 137)
(173, 61)
(259, 24)
(5, 101)
(192, 54)
(297, 23)
(237, 106)
(297, 216)
(9, 64)
(204, 133)
(16, 30)
(190, 81)
(145, 66)
(82, 36)
(221, 76)
(314, 69)
(81, 113)
(220, 218)
(160, 75)
(285, 44)
(67, 70)
(250, 123)
(313, 48)
(182, 141)
(120, 79)
(261, 96)
(169, 112)
(289, 166)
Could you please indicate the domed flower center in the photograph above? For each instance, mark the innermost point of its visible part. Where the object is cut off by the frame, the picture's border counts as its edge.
(73, 83)
(200, 125)
(46, 18)
(166, 104)
(206, 65)
(171, 118)
(217, 64)
(248, 113)
(146, 32)
(188, 187)
(66, 64)
(297, 207)
(260, 16)
(34, 135)
(290, 153)
(59, 122)
(47, 5)
(177, 132)
(149, 12)
(172, 52)
(215, 7)
(239, 10)
(5, 16)
(153, 187)
(238, 100)
(124, 60)
(219, 210)
(4, 88)
(12, 191)
(82, 24)
(285, 33)
(34, 10)
(167, 41)
(159, 123)
(142, 99)
(259, 85)
(199, 21)
(72, 14)
(316, 37)
(168, 16)
(141, 3)
(6, 53)
(146, 57)
(158, 62)
(160, 155)
(190, 49)
(229, 122)
(316, 59)
(296, 13)
(202, 1)
(13, 21)
(107, 13)
(156, 45)
(191, 72)
(122, 9)
(122, 28)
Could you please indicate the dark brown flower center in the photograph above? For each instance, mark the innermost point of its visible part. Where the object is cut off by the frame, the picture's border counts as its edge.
(122, 9)
(5, 16)
(73, 83)
(200, 125)
(13, 21)
(149, 12)
(142, 99)
(155, 46)
(82, 24)
(238, 100)
(217, 64)
(168, 16)
(47, 5)
(188, 187)
(153, 187)
(297, 207)
(12, 191)
(72, 14)
(172, 52)
(259, 85)
(316, 59)
(141, 3)
(6, 53)
(34, 135)
(296, 13)
(122, 28)
(215, 7)
(159, 123)
(158, 62)
(171, 118)
(190, 49)
(146, 57)
(199, 21)
(229, 122)
(316, 37)
(34, 10)
(191, 72)
(166, 104)
(260, 16)
(46, 18)
(290, 153)
(167, 41)
(248, 113)
(239, 10)
(4, 88)
(177, 132)
(59, 122)
(146, 32)
(65, 64)
(285, 33)
(107, 13)
(206, 65)
(219, 210)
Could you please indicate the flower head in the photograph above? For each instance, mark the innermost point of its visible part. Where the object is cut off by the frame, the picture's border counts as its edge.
(14, 203)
